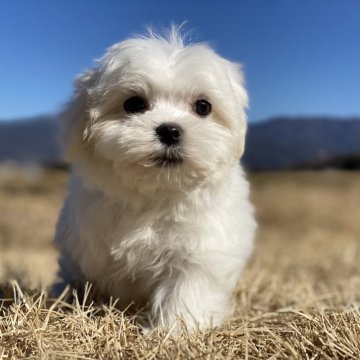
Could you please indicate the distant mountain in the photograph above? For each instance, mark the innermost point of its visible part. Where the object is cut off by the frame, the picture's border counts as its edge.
(30, 140)
(292, 142)
(346, 162)
(280, 143)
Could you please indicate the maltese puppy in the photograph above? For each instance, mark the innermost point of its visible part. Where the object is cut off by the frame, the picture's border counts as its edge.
(157, 213)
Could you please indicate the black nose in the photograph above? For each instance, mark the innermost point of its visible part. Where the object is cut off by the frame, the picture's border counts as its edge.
(169, 134)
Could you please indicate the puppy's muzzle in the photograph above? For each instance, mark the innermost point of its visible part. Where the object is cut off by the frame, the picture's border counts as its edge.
(169, 134)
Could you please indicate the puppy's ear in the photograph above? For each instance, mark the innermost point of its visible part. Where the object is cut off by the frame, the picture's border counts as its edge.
(240, 101)
(236, 77)
(75, 118)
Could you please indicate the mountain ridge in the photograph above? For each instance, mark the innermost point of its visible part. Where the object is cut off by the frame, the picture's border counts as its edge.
(288, 142)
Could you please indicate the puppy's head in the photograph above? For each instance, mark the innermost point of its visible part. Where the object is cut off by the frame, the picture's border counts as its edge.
(156, 115)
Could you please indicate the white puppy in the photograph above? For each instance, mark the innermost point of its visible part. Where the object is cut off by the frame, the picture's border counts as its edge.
(157, 213)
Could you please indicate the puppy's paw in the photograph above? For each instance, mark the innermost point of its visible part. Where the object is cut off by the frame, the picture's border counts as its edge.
(146, 330)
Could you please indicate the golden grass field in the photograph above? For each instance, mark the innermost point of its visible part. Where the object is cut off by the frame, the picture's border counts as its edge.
(299, 297)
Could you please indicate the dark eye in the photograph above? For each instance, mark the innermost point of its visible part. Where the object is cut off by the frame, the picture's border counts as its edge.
(135, 104)
(202, 107)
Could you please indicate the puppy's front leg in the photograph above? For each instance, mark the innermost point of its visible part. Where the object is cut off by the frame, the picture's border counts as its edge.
(195, 296)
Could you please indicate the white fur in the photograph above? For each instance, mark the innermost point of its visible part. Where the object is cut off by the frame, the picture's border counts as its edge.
(170, 239)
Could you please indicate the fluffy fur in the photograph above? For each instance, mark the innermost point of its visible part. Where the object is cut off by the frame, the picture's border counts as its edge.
(171, 239)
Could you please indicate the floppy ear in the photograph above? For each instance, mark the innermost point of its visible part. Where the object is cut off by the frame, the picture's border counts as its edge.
(240, 100)
(236, 78)
(75, 117)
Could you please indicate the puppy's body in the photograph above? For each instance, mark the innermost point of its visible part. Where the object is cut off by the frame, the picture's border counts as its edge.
(162, 223)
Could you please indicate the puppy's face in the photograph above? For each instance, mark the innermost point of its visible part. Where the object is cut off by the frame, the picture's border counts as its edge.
(157, 115)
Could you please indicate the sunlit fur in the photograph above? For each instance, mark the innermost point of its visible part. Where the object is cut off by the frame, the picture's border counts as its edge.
(172, 240)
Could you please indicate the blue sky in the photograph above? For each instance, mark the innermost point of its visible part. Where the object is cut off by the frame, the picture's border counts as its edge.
(301, 57)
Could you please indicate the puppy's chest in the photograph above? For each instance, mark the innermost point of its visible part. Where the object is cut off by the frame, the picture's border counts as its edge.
(148, 241)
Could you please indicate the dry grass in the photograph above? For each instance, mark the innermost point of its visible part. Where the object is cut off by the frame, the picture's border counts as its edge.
(299, 297)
